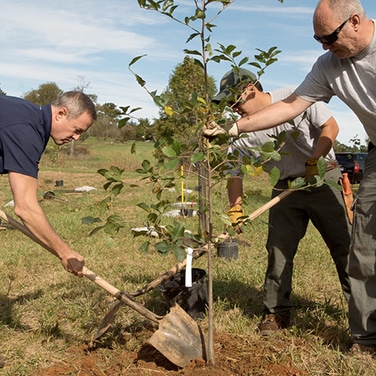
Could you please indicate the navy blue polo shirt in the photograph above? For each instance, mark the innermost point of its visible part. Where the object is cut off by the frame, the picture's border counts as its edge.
(24, 132)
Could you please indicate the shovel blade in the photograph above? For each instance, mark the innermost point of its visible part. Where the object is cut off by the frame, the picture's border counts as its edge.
(179, 338)
(108, 319)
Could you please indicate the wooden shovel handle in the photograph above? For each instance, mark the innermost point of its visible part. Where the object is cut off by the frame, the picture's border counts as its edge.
(270, 204)
(21, 227)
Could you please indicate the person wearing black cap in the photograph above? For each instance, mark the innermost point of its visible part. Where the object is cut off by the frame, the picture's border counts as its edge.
(308, 137)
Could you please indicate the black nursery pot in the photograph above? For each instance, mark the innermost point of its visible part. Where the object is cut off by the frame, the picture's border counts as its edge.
(194, 300)
(228, 250)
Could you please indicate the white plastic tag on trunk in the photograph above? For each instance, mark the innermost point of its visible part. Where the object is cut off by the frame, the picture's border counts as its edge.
(188, 268)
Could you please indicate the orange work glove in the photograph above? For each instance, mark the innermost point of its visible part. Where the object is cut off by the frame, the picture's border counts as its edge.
(235, 215)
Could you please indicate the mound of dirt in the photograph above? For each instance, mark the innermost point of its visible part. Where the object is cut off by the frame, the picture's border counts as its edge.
(234, 356)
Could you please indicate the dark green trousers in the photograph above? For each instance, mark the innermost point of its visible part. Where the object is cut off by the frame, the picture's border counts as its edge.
(288, 221)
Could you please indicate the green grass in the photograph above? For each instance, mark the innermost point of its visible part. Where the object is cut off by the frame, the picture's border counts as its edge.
(44, 311)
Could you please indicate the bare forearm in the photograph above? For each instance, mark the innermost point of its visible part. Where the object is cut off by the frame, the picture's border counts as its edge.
(26, 206)
(329, 132)
(273, 115)
(235, 190)
(36, 222)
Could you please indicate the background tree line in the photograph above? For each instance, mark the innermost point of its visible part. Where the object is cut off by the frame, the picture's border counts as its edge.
(184, 79)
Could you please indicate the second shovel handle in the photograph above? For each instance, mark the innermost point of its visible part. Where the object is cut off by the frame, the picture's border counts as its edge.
(121, 295)
(270, 204)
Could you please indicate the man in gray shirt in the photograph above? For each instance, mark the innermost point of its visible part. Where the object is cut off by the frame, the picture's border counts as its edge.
(347, 70)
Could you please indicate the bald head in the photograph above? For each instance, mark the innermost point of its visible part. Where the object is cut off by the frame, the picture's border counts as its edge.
(339, 9)
(342, 27)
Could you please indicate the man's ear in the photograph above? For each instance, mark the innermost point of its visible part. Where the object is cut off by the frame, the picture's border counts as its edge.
(61, 113)
(251, 90)
(355, 22)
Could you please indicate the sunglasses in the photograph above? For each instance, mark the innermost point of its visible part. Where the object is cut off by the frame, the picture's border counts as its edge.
(331, 38)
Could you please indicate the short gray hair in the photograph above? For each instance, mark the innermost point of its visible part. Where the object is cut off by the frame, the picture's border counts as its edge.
(77, 103)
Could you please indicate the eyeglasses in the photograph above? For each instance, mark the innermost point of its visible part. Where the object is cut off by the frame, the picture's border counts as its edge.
(331, 38)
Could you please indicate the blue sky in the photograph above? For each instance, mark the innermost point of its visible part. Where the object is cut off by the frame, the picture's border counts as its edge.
(66, 41)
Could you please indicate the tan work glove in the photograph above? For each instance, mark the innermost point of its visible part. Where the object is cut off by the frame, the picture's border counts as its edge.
(235, 215)
(213, 129)
(311, 169)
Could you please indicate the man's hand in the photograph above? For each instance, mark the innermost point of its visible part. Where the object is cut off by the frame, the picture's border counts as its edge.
(311, 169)
(213, 129)
(73, 263)
(235, 214)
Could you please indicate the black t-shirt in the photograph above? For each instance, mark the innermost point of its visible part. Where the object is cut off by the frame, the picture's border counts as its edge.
(24, 132)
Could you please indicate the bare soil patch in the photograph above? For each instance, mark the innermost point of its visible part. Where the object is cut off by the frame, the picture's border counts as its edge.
(234, 355)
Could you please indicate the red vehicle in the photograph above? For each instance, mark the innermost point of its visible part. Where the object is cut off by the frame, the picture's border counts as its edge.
(353, 164)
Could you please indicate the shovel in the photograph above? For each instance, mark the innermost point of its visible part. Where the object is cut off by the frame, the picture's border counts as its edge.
(114, 309)
(178, 337)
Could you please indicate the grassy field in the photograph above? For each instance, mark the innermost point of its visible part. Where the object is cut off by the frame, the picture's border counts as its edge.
(44, 311)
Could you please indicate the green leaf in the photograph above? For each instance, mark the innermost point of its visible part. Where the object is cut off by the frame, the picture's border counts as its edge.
(179, 253)
(90, 220)
(113, 225)
(163, 247)
(274, 176)
(102, 171)
(275, 155)
(268, 147)
(192, 36)
(243, 61)
(257, 65)
(297, 183)
(225, 219)
(322, 167)
(200, 14)
(123, 122)
(168, 151)
(198, 157)
(140, 80)
(144, 206)
(117, 188)
(96, 230)
(177, 232)
(171, 164)
(210, 26)
(192, 52)
(144, 248)
(105, 204)
(135, 59)
(177, 147)
(152, 217)
(135, 109)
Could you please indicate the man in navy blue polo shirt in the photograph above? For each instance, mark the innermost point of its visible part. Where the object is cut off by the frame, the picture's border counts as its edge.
(24, 132)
